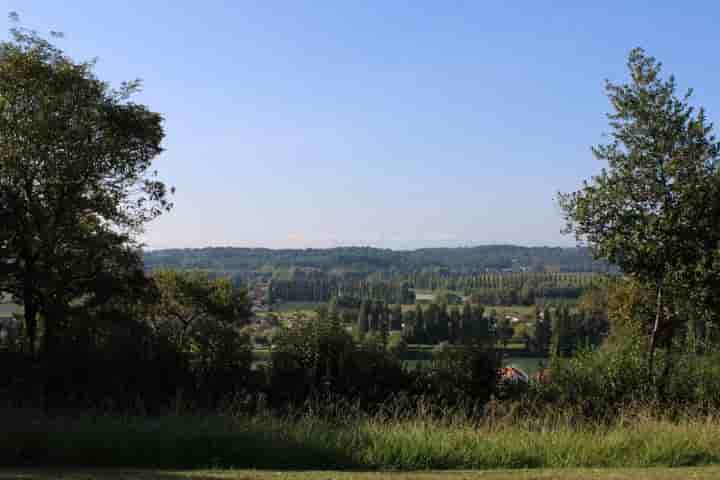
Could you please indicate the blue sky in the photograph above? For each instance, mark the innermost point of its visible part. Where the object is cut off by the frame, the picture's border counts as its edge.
(396, 124)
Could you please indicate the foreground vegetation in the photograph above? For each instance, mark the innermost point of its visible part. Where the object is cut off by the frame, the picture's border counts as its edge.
(564, 474)
(387, 440)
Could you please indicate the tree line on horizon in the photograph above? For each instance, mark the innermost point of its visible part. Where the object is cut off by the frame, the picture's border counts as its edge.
(485, 288)
(367, 260)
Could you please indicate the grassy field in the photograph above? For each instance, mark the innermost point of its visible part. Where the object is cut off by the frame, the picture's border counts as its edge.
(424, 296)
(385, 441)
(7, 309)
(520, 311)
(297, 306)
(706, 473)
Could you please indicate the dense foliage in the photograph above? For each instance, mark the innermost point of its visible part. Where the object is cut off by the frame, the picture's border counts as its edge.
(654, 210)
(76, 182)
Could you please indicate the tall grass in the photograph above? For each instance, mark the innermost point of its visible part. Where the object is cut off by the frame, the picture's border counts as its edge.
(390, 439)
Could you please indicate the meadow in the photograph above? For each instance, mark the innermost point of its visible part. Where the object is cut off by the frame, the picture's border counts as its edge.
(332, 437)
(520, 311)
(304, 307)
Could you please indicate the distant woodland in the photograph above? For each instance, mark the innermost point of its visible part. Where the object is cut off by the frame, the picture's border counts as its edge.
(348, 260)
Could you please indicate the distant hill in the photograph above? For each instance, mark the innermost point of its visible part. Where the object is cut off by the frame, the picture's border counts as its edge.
(369, 260)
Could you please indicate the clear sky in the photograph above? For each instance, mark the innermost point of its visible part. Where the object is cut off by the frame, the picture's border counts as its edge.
(396, 124)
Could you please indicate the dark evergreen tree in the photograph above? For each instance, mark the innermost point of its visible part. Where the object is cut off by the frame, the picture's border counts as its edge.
(396, 318)
(420, 326)
(455, 322)
(543, 331)
(363, 325)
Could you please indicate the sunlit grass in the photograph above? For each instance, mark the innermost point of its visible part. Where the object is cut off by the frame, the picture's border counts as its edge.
(381, 441)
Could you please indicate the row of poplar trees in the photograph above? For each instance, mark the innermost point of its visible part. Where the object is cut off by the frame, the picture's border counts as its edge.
(430, 325)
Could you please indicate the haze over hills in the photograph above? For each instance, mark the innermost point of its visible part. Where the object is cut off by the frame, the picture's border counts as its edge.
(369, 259)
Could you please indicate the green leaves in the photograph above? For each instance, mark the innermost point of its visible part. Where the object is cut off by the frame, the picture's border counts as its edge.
(189, 297)
(76, 177)
(654, 211)
(642, 212)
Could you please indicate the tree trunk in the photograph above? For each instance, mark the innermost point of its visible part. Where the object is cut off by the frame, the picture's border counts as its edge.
(50, 359)
(665, 376)
(30, 315)
(31, 327)
(653, 335)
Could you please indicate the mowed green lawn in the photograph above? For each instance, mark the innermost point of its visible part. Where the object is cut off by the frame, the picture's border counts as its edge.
(569, 474)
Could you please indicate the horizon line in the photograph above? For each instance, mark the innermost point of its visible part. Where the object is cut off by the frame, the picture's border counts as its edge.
(209, 247)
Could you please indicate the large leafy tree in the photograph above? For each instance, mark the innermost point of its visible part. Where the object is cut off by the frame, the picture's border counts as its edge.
(189, 301)
(202, 317)
(76, 181)
(654, 210)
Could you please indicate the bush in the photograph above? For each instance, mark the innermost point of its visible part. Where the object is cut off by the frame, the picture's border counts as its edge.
(317, 355)
(463, 373)
(598, 381)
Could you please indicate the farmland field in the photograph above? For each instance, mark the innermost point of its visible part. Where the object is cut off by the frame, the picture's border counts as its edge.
(424, 297)
(7, 309)
(297, 306)
(519, 311)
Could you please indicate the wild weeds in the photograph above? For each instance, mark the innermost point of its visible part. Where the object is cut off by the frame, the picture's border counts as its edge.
(321, 435)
